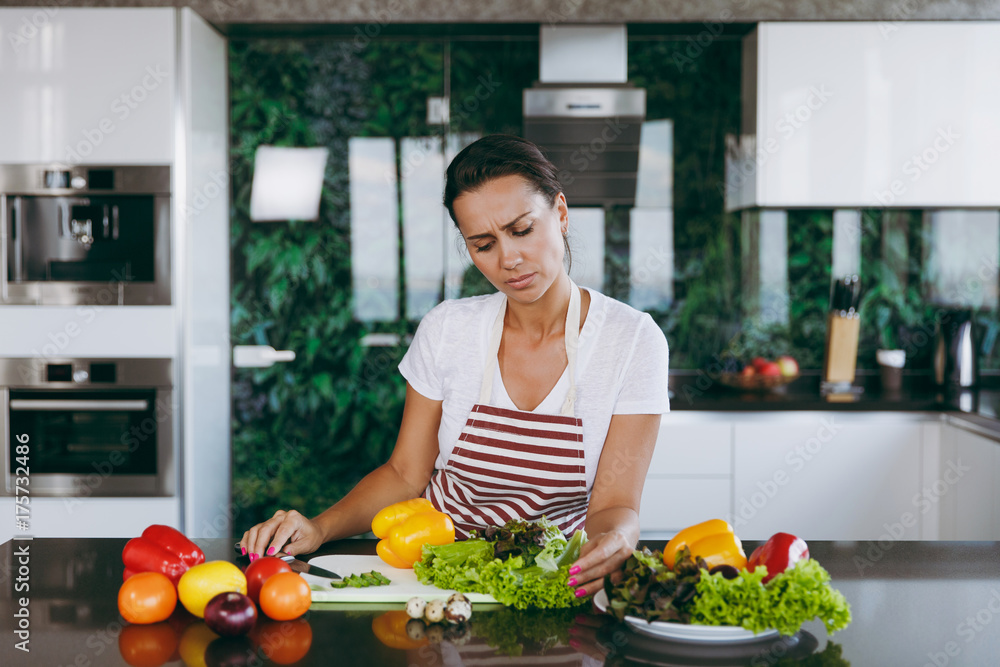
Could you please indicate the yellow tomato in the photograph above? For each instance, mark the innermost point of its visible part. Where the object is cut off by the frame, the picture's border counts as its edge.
(203, 582)
(396, 513)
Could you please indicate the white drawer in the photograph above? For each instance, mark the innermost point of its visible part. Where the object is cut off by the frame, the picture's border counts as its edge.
(692, 449)
(672, 503)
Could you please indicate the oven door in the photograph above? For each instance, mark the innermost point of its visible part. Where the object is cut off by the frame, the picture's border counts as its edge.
(82, 442)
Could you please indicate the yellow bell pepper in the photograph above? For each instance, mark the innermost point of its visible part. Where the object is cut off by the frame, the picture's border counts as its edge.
(406, 527)
(390, 629)
(712, 540)
(393, 514)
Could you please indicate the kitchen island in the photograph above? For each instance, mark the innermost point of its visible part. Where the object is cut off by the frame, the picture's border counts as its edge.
(914, 603)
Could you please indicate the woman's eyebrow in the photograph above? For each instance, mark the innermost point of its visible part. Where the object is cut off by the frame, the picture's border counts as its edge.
(505, 227)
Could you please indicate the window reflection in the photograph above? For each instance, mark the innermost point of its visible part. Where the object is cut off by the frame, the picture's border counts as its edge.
(374, 228)
(424, 232)
(586, 232)
(961, 255)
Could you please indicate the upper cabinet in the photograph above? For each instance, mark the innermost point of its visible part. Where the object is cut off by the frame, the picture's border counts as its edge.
(90, 86)
(899, 114)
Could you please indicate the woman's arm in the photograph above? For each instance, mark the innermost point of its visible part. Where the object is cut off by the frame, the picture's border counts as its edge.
(405, 475)
(613, 516)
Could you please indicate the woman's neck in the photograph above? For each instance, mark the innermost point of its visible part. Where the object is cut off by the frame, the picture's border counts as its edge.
(544, 317)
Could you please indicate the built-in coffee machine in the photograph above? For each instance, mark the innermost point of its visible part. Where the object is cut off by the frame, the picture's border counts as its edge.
(84, 235)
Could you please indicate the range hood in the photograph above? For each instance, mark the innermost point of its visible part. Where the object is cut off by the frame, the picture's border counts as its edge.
(867, 114)
(584, 115)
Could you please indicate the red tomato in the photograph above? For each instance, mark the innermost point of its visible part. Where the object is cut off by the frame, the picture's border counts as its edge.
(147, 645)
(147, 597)
(283, 642)
(260, 571)
(285, 596)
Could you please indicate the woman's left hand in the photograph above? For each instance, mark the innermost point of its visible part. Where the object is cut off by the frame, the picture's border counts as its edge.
(604, 554)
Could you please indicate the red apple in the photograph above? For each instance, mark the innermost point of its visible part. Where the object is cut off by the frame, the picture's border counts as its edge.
(789, 367)
(770, 368)
(758, 363)
(748, 372)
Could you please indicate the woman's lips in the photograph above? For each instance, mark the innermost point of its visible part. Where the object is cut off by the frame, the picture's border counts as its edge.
(521, 281)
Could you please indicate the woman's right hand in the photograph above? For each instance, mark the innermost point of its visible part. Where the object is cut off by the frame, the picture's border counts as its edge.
(289, 531)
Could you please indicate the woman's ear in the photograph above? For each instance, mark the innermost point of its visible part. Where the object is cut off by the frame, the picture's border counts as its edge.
(563, 210)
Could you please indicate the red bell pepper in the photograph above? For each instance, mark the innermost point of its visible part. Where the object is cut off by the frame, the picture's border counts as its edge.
(176, 543)
(778, 554)
(142, 555)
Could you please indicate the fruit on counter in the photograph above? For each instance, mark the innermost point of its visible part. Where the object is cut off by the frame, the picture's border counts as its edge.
(260, 571)
(175, 542)
(712, 540)
(779, 553)
(203, 582)
(769, 369)
(147, 597)
(127, 573)
(758, 363)
(147, 645)
(748, 371)
(230, 614)
(398, 512)
(789, 367)
(285, 596)
(414, 525)
(142, 555)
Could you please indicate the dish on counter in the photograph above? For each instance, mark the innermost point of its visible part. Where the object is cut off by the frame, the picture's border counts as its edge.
(692, 634)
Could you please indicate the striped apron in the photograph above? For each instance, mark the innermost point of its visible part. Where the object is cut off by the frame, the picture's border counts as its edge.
(511, 464)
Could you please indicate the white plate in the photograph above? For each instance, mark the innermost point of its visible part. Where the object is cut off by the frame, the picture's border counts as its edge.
(693, 634)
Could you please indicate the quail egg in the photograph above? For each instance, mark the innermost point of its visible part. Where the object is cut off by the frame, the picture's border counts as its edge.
(415, 607)
(434, 612)
(435, 634)
(415, 629)
(458, 611)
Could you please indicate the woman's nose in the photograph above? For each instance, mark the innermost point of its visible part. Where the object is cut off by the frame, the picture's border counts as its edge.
(509, 257)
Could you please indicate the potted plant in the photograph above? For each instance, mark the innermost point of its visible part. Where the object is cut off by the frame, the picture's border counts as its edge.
(887, 308)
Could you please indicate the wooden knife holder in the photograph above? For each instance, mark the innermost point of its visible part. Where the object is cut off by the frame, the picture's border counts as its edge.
(841, 355)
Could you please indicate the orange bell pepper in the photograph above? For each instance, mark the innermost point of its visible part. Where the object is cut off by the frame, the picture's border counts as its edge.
(405, 527)
(393, 514)
(712, 540)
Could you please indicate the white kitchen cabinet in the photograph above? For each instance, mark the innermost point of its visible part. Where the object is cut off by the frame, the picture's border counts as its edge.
(826, 476)
(690, 474)
(966, 486)
(87, 85)
(852, 114)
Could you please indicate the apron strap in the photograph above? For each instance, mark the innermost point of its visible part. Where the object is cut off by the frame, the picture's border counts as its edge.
(572, 338)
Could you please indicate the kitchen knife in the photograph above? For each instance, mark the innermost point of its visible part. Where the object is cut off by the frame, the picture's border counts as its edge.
(302, 567)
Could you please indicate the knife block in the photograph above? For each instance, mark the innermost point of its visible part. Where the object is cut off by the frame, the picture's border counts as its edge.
(841, 354)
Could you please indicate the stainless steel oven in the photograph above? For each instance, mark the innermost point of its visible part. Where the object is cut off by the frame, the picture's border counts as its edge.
(95, 427)
(84, 235)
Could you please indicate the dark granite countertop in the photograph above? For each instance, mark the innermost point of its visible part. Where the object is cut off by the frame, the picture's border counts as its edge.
(913, 603)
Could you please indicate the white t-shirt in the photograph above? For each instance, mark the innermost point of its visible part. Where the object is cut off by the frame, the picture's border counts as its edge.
(621, 368)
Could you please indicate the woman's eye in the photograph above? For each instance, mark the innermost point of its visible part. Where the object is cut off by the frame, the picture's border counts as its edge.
(523, 232)
(484, 248)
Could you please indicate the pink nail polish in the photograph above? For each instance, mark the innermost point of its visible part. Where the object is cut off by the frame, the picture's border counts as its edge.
(253, 557)
(580, 593)
(244, 551)
(575, 569)
(571, 582)
(270, 551)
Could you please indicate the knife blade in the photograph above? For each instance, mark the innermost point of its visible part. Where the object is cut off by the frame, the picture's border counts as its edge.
(303, 567)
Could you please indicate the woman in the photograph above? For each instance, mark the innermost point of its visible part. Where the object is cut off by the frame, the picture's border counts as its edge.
(541, 399)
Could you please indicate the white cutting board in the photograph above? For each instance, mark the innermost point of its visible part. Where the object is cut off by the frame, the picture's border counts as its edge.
(403, 587)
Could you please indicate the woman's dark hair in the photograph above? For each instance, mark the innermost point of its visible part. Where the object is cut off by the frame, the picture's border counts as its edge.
(495, 156)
